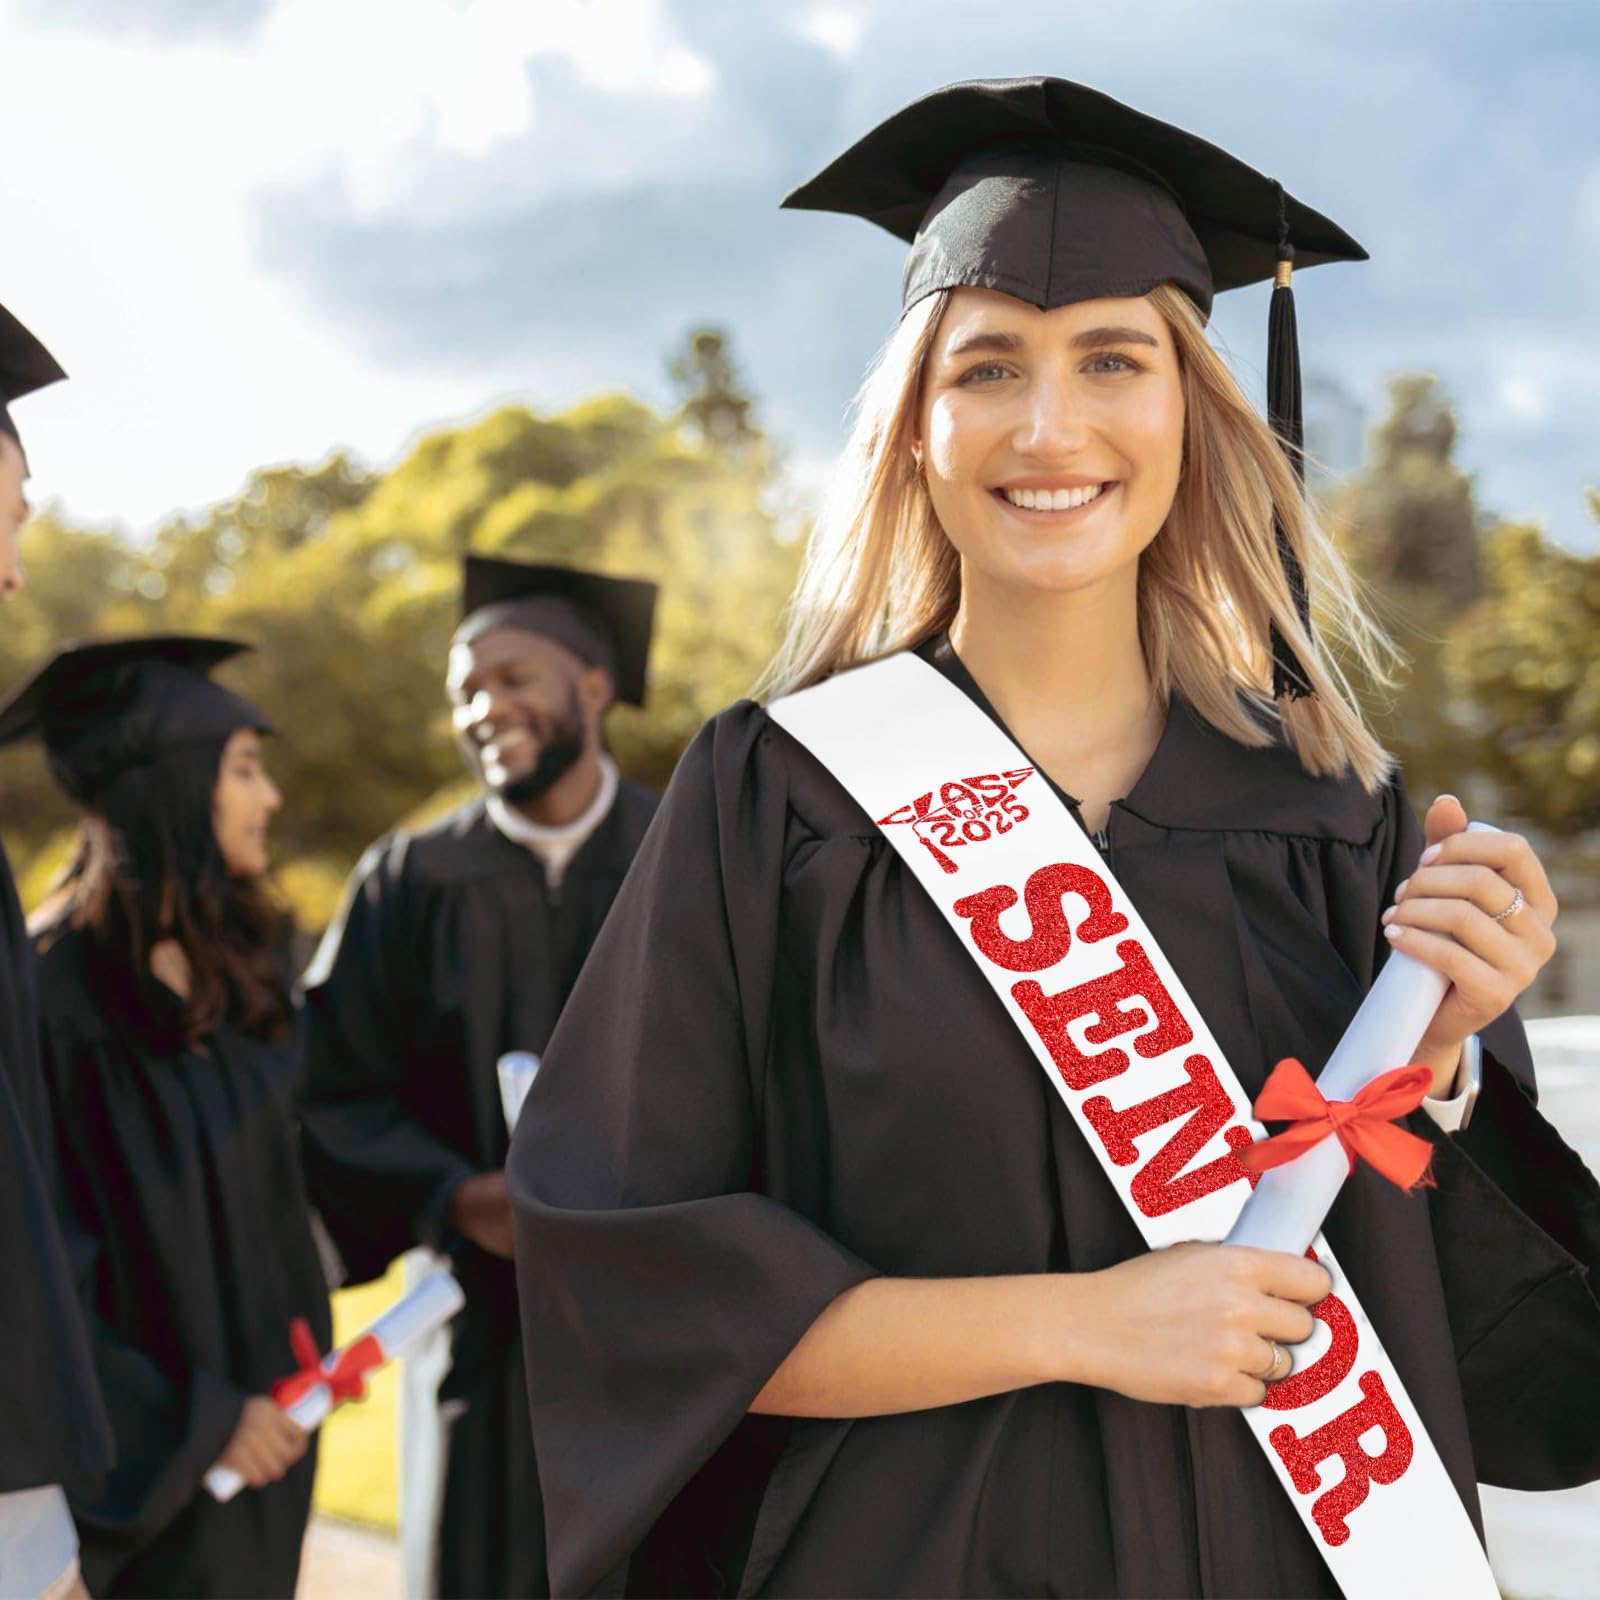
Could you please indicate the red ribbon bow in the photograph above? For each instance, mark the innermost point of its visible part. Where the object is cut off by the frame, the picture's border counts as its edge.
(1363, 1125)
(345, 1375)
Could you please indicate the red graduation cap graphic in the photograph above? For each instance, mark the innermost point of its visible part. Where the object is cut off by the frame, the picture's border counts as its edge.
(964, 811)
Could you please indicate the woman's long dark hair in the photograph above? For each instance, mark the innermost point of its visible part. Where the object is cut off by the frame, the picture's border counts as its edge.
(148, 868)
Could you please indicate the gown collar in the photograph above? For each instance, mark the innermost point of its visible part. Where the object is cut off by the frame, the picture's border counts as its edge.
(1199, 778)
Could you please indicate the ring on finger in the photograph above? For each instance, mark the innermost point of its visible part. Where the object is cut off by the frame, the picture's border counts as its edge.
(1518, 901)
(1282, 1361)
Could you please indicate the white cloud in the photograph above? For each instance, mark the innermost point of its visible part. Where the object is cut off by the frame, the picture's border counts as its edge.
(130, 224)
(837, 29)
(1524, 400)
(683, 72)
(377, 85)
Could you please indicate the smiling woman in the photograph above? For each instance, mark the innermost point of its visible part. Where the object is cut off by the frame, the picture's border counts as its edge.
(980, 404)
(822, 1279)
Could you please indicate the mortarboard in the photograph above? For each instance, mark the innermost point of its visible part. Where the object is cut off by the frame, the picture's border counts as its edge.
(605, 622)
(25, 365)
(1056, 193)
(106, 706)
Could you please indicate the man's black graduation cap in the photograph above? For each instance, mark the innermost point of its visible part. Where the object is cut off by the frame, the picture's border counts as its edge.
(25, 365)
(605, 622)
(106, 706)
(1055, 193)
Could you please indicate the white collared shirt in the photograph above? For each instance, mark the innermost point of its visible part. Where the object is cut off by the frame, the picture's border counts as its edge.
(556, 846)
(1454, 1113)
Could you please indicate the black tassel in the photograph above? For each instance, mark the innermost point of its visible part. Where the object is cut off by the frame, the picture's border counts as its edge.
(1285, 416)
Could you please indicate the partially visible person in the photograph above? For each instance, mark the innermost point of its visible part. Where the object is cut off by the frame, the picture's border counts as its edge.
(457, 947)
(54, 1429)
(173, 1064)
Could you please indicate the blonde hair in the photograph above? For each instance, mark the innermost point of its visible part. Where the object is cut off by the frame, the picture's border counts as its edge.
(880, 575)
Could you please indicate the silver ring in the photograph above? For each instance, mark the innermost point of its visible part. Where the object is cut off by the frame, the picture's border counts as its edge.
(1518, 901)
(1282, 1362)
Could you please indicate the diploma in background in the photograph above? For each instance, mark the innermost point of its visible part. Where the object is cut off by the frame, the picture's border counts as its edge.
(517, 1070)
(430, 1305)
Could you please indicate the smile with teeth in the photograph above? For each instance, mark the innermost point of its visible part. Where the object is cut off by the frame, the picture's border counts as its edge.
(1053, 499)
(507, 744)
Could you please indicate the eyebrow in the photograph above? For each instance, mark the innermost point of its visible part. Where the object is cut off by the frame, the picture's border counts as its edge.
(1089, 339)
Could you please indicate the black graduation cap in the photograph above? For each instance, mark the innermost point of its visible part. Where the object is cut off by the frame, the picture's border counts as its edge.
(605, 622)
(106, 706)
(25, 365)
(1055, 193)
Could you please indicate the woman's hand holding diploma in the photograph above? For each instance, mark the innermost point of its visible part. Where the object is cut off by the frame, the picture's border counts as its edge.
(1479, 910)
(1194, 1324)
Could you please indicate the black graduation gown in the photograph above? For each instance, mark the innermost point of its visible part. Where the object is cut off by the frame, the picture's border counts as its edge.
(781, 1074)
(183, 1169)
(54, 1428)
(450, 951)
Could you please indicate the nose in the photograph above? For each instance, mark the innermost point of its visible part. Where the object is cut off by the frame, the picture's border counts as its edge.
(484, 708)
(1053, 426)
(274, 798)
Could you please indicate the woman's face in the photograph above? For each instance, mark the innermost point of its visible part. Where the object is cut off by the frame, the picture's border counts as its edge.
(1051, 441)
(243, 806)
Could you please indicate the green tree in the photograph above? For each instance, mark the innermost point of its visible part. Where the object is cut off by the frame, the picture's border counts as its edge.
(348, 583)
(1528, 659)
(712, 399)
(1410, 524)
(1414, 518)
(281, 508)
(80, 582)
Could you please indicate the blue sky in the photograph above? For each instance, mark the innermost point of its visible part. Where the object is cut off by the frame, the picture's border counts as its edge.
(258, 229)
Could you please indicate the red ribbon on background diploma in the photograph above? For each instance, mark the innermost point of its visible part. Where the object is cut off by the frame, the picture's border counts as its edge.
(346, 1379)
(1364, 1125)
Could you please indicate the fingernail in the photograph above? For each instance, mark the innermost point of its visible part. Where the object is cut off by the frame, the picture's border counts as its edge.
(1449, 797)
(1400, 889)
(1388, 915)
(1393, 931)
(1431, 853)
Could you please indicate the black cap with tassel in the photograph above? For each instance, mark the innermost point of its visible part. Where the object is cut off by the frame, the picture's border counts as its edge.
(1055, 193)
(1285, 414)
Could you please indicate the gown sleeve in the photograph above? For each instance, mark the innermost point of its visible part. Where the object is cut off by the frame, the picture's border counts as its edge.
(54, 1427)
(170, 1423)
(1517, 1231)
(379, 1178)
(660, 1288)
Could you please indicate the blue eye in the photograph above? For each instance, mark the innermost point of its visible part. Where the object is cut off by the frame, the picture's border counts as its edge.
(1112, 362)
(981, 374)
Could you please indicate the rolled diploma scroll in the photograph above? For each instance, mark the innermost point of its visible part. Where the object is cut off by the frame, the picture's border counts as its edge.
(516, 1070)
(1288, 1206)
(430, 1305)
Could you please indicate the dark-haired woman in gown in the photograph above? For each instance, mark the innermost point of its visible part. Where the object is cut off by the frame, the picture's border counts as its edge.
(173, 1064)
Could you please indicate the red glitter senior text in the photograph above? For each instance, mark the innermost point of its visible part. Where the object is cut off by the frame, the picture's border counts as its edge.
(1132, 999)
